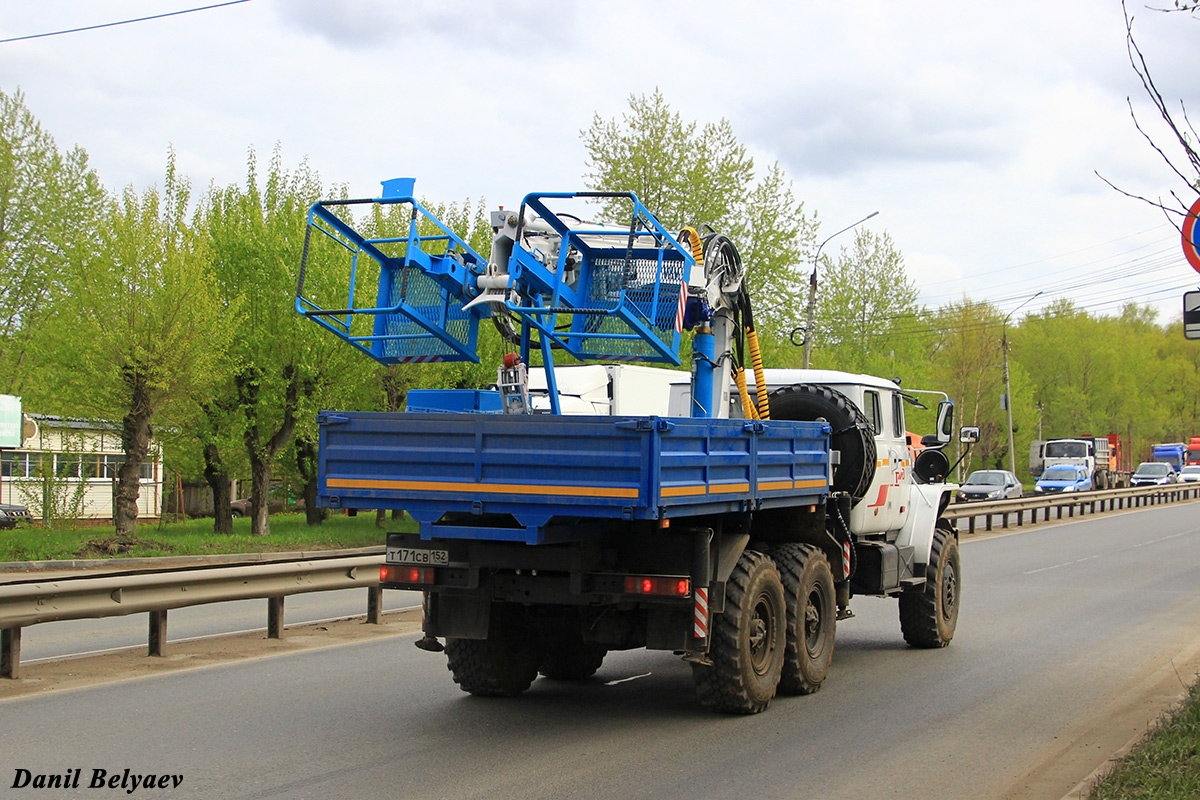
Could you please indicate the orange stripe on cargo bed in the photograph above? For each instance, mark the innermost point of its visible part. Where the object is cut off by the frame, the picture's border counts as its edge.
(721, 488)
(496, 488)
(682, 491)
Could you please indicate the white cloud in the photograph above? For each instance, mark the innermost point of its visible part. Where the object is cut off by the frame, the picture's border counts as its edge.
(974, 129)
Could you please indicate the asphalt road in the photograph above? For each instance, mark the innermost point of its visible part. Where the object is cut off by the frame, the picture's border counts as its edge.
(1064, 632)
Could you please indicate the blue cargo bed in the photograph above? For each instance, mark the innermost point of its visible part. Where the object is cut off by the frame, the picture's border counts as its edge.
(528, 478)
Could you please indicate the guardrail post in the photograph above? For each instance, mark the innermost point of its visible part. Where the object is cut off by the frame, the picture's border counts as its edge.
(158, 632)
(374, 604)
(10, 653)
(275, 617)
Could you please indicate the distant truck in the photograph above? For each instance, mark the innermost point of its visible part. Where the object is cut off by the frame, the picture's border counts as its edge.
(1193, 450)
(1099, 455)
(1173, 453)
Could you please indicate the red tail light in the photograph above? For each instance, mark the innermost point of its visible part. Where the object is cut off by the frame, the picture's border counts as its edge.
(662, 587)
(392, 573)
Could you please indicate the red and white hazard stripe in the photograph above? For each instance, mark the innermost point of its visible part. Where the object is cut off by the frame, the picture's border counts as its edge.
(701, 616)
(679, 308)
(845, 559)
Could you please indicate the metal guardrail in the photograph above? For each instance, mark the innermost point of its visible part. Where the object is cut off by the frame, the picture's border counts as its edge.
(1067, 504)
(25, 603)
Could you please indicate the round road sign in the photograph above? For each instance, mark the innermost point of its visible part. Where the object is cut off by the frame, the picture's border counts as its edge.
(1191, 236)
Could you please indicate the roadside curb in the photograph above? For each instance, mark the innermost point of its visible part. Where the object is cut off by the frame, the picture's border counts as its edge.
(1083, 788)
(1188, 657)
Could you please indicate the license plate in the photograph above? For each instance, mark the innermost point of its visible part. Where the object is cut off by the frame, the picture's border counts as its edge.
(409, 555)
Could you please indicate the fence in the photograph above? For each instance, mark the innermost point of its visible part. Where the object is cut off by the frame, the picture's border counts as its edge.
(30, 602)
(25, 603)
(1068, 504)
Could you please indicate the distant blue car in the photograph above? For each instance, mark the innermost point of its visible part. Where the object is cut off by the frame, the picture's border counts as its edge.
(1063, 478)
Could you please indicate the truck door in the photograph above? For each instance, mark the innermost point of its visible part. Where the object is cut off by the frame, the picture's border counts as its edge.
(885, 506)
(893, 442)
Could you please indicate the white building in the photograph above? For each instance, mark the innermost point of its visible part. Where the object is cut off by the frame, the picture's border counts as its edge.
(70, 467)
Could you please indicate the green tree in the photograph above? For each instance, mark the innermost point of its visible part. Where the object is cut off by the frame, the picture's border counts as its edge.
(683, 173)
(137, 329)
(50, 206)
(280, 361)
(968, 358)
(865, 300)
(687, 174)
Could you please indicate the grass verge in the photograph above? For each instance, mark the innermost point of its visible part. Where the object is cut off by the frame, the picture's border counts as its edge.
(1165, 765)
(195, 537)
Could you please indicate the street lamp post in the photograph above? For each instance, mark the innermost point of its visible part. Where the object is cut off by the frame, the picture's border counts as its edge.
(812, 290)
(1012, 453)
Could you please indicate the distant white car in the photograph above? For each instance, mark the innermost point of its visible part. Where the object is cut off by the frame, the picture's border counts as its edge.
(1152, 473)
(989, 484)
(1190, 474)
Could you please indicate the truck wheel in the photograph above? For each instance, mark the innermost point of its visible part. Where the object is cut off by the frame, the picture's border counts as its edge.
(748, 640)
(571, 659)
(502, 665)
(929, 614)
(852, 435)
(811, 617)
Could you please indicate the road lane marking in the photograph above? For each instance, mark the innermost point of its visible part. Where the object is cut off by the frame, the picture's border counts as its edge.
(1101, 555)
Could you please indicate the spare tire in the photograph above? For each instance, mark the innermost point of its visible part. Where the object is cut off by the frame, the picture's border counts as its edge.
(852, 435)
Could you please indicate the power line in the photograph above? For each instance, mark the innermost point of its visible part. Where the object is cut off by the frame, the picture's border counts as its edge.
(1007, 270)
(121, 22)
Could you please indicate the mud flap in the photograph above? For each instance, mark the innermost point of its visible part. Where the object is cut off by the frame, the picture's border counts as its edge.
(457, 616)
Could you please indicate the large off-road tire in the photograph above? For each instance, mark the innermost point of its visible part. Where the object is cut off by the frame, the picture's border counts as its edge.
(502, 665)
(852, 435)
(929, 613)
(748, 640)
(811, 600)
(569, 658)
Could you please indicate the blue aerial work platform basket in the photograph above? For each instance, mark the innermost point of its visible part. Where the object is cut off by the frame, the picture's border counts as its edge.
(422, 279)
(605, 293)
(625, 299)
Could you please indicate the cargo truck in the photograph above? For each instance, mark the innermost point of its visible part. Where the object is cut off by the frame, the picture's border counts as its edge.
(1099, 455)
(571, 511)
(1173, 453)
(1193, 451)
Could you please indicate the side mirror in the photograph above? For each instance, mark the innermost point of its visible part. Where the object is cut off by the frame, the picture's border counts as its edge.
(968, 435)
(945, 421)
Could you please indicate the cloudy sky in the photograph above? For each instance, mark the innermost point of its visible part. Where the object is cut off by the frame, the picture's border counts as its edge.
(975, 129)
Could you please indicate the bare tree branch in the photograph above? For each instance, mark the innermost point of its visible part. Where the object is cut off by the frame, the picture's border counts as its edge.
(1167, 212)
(1184, 134)
(1154, 145)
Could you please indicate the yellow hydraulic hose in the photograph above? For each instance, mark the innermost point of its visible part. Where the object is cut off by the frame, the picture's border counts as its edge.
(740, 379)
(760, 380)
(692, 237)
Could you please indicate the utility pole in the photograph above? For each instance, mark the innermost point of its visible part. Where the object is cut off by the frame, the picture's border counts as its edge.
(1012, 451)
(810, 316)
